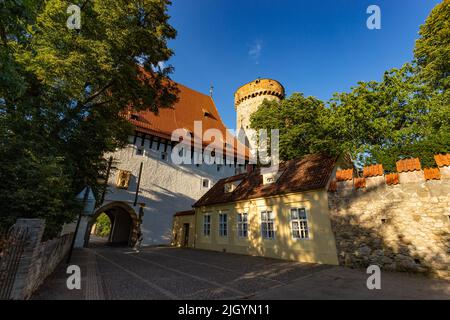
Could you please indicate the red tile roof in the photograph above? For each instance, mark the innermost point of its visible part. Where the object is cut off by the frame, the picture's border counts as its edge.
(405, 165)
(344, 175)
(191, 106)
(392, 179)
(185, 213)
(373, 170)
(442, 160)
(311, 172)
(432, 173)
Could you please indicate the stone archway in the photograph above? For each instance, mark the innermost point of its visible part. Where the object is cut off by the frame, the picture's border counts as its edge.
(124, 224)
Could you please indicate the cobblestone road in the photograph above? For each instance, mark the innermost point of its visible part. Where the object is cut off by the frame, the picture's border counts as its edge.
(169, 273)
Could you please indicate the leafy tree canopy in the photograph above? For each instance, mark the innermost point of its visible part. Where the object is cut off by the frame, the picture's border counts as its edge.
(63, 93)
(406, 114)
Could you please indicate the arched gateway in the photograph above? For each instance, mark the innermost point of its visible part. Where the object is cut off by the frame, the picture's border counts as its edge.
(124, 224)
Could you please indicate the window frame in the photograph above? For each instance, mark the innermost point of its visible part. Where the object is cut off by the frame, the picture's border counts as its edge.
(164, 156)
(223, 225)
(206, 225)
(203, 183)
(140, 152)
(266, 233)
(240, 222)
(303, 224)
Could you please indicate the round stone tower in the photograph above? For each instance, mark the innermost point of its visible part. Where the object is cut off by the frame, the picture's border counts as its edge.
(250, 96)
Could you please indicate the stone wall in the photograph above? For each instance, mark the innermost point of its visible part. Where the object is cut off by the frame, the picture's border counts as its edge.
(39, 259)
(400, 221)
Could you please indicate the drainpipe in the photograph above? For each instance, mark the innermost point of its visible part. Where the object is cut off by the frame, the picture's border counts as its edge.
(138, 185)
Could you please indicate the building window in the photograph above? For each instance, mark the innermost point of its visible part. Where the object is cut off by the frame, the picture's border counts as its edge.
(299, 223)
(123, 179)
(164, 156)
(205, 183)
(223, 225)
(267, 225)
(218, 167)
(206, 225)
(242, 225)
(139, 152)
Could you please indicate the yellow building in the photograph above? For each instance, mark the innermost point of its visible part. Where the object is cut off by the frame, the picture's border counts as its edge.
(183, 231)
(282, 214)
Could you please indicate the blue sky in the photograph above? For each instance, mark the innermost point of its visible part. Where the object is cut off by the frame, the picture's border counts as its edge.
(314, 47)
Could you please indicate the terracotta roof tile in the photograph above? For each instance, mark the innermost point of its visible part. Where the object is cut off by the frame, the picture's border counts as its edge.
(405, 165)
(392, 179)
(373, 170)
(311, 172)
(442, 160)
(344, 175)
(185, 213)
(191, 106)
(360, 183)
(432, 173)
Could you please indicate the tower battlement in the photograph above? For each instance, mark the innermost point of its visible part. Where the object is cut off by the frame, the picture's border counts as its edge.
(259, 87)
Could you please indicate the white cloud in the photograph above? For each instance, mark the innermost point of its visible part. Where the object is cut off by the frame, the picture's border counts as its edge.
(255, 51)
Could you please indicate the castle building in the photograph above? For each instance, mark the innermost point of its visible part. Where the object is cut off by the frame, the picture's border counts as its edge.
(145, 187)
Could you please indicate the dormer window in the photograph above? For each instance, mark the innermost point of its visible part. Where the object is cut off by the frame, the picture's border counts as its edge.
(271, 177)
(231, 186)
(134, 117)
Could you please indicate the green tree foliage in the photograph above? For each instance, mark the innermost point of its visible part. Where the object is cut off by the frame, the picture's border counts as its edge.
(406, 114)
(297, 118)
(63, 94)
(432, 51)
(102, 226)
(432, 57)
(381, 122)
